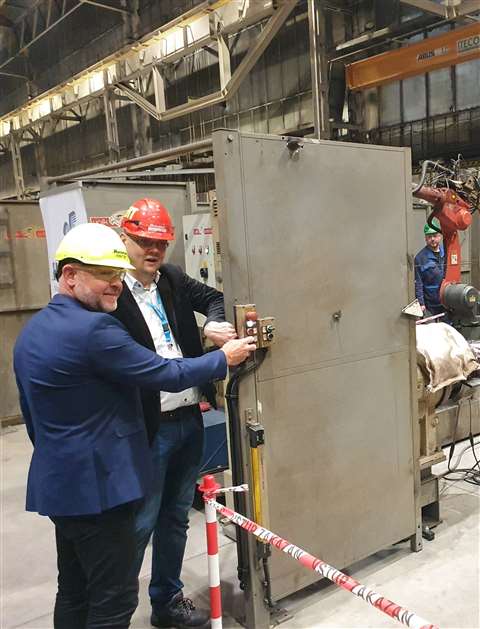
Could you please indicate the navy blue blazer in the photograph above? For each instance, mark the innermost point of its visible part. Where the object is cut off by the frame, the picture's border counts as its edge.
(78, 374)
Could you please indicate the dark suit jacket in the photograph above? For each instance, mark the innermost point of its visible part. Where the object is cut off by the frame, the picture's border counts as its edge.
(182, 296)
(78, 374)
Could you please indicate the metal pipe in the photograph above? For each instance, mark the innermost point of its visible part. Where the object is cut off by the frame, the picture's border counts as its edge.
(157, 172)
(157, 156)
(318, 69)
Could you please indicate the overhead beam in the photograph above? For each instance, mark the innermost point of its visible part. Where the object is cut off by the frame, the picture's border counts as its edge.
(13, 75)
(158, 48)
(138, 99)
(457, 46)
(152, 158)
(27, 29)
(108, 7)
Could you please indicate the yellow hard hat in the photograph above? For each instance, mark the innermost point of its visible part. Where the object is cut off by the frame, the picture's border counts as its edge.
(93, 243)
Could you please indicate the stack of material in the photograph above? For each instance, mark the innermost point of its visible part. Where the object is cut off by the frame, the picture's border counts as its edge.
(443, 355)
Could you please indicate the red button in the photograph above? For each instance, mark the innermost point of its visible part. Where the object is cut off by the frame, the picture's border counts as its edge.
(251, 315)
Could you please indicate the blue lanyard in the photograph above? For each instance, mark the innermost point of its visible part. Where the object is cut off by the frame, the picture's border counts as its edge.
(162, 315)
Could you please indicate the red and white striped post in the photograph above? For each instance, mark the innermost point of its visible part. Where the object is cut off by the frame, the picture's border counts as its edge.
(209, 487)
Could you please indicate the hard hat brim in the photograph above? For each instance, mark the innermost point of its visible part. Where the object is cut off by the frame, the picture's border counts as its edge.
(115, 264)
(152, 235)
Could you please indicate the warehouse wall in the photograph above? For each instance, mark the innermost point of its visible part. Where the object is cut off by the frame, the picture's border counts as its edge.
(437, 114)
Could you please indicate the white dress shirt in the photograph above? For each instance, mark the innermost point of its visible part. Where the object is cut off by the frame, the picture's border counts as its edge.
(144, 297)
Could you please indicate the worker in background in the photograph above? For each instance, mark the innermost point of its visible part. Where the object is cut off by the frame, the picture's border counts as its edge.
(157, 307)
(78, 371)
(430, 270)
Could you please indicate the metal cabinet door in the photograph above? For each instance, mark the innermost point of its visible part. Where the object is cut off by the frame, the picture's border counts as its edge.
(318, 239)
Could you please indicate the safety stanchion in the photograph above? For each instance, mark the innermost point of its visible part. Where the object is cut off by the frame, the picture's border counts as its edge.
(401, 614)
(210, 487)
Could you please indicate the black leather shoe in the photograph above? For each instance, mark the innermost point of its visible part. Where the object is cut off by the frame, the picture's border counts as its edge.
(181, 613)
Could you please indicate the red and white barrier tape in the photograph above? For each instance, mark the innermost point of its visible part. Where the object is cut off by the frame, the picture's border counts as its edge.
(401, 614)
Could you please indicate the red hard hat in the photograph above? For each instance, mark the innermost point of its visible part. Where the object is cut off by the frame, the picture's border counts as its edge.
(148, 218)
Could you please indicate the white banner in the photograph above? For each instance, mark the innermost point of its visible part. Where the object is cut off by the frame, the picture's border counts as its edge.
(60, 212)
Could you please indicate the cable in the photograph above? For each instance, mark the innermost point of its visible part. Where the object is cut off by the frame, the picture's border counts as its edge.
(423, 175)
(469, 475)
(239, 499)
(461, 453)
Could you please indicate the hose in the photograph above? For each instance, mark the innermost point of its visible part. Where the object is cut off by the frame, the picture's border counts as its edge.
(239, 499)
(423, 175)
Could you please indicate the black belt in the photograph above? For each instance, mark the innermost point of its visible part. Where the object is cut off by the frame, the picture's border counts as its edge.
(182, 412)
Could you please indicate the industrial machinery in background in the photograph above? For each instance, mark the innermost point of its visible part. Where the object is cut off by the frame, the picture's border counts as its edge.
(24, 288)
(454, 195)
(451, 413)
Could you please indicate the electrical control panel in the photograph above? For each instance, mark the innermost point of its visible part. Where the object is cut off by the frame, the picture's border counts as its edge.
(199, 248)
(199, 252)
(248, 323)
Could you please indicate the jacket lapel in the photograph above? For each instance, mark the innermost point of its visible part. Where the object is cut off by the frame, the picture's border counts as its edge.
(132, 317)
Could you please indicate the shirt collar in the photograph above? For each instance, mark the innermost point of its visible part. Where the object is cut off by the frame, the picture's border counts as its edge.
(134, 284)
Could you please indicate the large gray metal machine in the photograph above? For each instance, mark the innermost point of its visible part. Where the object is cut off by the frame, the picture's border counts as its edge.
(305, 240)
(104, 201)
(23, 288)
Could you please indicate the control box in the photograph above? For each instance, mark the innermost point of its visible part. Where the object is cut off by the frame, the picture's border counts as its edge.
(248, 323)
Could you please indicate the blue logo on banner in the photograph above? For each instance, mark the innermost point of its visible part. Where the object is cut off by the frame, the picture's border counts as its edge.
(72, 221)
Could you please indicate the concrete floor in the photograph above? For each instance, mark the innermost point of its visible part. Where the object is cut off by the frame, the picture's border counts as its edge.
(441, 583)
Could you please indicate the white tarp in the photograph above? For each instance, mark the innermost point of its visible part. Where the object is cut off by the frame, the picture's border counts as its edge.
(444, 355)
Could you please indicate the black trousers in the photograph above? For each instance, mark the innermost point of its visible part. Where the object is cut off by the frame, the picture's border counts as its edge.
(97, 585)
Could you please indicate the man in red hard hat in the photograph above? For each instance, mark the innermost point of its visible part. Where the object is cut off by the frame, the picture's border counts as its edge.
(158, 306)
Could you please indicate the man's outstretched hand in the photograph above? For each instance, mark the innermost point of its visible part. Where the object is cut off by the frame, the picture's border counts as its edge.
(238, 350)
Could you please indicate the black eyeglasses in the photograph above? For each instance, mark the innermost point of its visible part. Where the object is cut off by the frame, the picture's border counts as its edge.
(148, 243)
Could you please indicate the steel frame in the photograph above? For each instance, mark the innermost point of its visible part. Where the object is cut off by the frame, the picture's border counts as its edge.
(37, 21)
(108, 7)
(148, 58)
(137, 72)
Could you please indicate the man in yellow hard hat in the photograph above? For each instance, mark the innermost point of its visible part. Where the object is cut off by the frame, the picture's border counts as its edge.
(78, 372)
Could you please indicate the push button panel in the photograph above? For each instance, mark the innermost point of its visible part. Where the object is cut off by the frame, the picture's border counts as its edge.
(248, 323)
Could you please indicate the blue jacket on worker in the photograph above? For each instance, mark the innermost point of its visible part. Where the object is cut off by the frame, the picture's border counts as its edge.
(78, 372)
(429, 274)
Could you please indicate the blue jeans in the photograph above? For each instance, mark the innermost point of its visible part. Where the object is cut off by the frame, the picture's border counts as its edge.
(177, 452)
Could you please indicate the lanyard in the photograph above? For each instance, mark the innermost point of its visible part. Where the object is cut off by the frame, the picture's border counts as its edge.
(162, 315)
